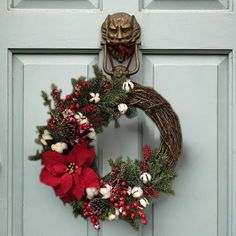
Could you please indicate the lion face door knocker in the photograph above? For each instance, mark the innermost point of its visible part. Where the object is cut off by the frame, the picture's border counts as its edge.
(120, 33)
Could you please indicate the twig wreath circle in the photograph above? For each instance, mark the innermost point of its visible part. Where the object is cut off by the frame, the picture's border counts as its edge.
(68, 158)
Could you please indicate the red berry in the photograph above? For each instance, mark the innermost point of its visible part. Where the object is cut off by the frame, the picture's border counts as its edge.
(94, 219)
(124, 192)
(74, 99)
(72, 106)
(122, 203)
(84, 84)
(68, 97)
(112, 199)
(86, 213)
(77, 93)
(139, 212)
(144, 222)
(52, 121)
(123, 183)
(117, 191)
(73, 120)
(122, 199)
(132, 215)
(77, 105)
(124, 214)
(128, 207)
(116, 205)
(135, 204)
(143, 216)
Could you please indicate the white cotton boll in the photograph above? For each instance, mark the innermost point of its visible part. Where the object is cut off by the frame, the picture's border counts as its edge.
(112, 217)
(128, 86)
(59, 147)
(46, 135)
(117, 212)
(92, 134)
(64, 145)
(91, 192)
(146, 177)
(43, 141)
(106, 191)
(79, 116)
(95, 97)
(144, 202)
(122, 108)
(129, 191)
(97, 227)
(84, 121)
(137, 192)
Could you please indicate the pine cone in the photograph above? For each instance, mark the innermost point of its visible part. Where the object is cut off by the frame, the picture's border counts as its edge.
(67, 131)
(97, 206)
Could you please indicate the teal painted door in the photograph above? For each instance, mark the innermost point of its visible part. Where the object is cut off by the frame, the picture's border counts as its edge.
(188, 55)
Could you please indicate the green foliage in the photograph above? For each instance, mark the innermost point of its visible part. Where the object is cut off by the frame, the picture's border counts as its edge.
(130, 170)
(47, 101)
(35, 157)
(77, 207)
(131, 112)
(161, 175)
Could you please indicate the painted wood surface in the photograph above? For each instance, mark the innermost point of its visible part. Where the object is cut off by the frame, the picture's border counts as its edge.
(187, 55)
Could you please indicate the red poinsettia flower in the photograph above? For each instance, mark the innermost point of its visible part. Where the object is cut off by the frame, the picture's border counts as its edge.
(69, 174)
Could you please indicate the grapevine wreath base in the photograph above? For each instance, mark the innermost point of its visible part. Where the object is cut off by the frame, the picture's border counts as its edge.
(68, 158)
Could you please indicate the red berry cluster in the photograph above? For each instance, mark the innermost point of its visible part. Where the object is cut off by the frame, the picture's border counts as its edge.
(90, 109)
(65, 111)
(56, 94)
(85, 126)
(88, 212)
(146, 156)
(72, 101)
(52, 122)
(106, 88)
(128, 206)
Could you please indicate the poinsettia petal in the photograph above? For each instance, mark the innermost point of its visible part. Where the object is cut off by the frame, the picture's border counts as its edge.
(82, 154)
(78, 171)
(59, 191)
(91, 156)
(66, 182)
(78, 188)
(47, 178)
(71, 157)
(51, 158)
(67, 198)
(59, 168)
(90, 178)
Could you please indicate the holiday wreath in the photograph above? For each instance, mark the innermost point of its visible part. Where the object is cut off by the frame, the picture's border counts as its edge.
(68, 158)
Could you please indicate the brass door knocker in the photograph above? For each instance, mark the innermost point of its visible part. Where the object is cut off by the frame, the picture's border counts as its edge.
(120, 33)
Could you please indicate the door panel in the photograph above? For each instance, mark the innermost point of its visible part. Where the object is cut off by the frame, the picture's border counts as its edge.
(185, 4)
(31, 74)
(188, 55)
(55, 4)
(197, 88)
